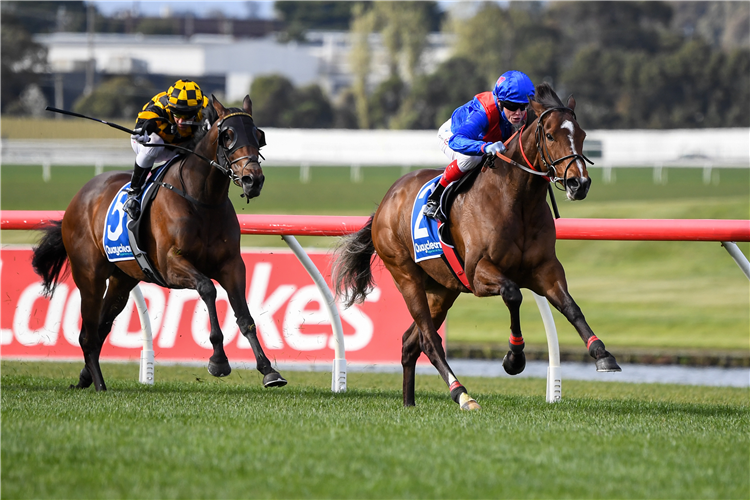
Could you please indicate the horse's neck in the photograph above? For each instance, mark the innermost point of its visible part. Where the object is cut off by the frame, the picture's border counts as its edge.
(202, 181)
(514, 181)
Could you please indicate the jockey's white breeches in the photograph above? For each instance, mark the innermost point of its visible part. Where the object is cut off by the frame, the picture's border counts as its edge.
(465, 162)
(145, 157)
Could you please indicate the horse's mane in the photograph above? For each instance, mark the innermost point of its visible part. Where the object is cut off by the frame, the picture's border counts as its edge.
(547, 97)
(209, 117)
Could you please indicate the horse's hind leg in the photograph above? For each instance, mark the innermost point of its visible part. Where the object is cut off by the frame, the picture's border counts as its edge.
(408, 277)
(410, 352)
(118, 290)
(91, 282)
(411, 342)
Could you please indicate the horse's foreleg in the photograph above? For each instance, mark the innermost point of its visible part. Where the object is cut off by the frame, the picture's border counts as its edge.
(555, 289)
(218, 364)
(488, 281)
(234, 283)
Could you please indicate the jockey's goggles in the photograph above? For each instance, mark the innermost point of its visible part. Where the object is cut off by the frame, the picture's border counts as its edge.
(514, 106)
(183, 117)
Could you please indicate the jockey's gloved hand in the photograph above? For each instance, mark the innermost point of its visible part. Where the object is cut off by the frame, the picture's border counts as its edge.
(494, 148)
(140, 136)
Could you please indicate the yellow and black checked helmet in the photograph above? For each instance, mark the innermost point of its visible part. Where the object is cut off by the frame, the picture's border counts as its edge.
(185, 97)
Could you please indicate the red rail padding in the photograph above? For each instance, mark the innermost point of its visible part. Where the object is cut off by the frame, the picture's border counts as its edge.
(654, 229)
(301, 225)
(567, 229)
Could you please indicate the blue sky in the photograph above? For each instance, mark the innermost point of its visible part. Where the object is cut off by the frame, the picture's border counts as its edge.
(237, 8)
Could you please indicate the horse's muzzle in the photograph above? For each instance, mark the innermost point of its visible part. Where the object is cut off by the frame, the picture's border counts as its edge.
(252, 184)
(577, 187)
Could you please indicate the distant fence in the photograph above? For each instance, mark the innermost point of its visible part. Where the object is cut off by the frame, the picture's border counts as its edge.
(306, 148)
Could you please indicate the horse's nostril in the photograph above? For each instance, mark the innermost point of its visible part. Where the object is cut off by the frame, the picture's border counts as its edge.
(248, 180)
(573, 184)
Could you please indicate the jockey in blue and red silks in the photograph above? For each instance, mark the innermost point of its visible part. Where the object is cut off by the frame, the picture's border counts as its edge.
(480, 127)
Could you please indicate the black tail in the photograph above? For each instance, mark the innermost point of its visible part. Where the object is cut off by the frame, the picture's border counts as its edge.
(351, 271)
(50, 257)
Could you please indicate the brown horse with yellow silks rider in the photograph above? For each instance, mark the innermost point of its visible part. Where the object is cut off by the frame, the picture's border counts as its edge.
(191, 234)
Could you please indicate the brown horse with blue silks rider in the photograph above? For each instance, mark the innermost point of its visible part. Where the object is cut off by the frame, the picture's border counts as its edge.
(190, 232)
(503, 231)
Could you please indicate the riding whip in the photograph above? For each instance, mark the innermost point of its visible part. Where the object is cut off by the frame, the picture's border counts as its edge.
(113, 125)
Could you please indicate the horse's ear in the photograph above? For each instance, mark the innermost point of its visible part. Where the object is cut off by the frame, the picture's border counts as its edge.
(220, 109)
(572, 102)
(536, 107)
(247, 105)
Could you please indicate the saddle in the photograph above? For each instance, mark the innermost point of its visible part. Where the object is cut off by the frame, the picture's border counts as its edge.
(454, 261)
(134, 226)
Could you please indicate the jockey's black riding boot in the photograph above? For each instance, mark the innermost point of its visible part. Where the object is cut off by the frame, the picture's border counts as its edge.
(432, 207)
(132, 205)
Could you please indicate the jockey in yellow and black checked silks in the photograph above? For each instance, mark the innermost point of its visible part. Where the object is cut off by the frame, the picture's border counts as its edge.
(184, 99)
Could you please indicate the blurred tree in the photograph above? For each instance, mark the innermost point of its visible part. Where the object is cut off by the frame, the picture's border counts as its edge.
(611, 25)
(272, 100)
(362, 24)
(497, 40)
(159, 26)
(345, 115)
(46, 17)
(312, 109)
(119, 97)
(23, 63)
(434, 97)
(277, 103)
(302, 16)
(385, 101)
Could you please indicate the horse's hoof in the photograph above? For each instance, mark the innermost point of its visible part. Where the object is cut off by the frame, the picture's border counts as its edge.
(274, 379)
(221, 369)
(514, 363)
(84, 379)
(607, 364)
(467, 403)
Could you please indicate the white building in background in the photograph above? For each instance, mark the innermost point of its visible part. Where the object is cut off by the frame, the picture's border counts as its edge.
(324, 59)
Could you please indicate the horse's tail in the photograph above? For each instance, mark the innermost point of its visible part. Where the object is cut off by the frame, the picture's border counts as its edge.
(50, 257)
(351, 270)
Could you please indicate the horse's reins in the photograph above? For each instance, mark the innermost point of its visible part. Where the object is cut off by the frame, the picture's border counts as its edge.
(225, 168)
(544, 153)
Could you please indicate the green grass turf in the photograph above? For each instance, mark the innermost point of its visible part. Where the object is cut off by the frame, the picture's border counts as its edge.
(634, 294)
(193, 436)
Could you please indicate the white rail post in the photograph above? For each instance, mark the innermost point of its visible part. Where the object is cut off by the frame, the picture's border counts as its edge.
(338, 375)
(146, 374)
(738, 256)
(554, 375)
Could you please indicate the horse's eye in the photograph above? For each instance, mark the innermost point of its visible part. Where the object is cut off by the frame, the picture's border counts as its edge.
(549, 137)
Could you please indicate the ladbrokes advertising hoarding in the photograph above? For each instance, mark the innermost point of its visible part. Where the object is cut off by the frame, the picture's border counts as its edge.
(289, 311)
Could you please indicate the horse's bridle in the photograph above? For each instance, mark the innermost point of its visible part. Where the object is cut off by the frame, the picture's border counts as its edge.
(551, 173)
(543, 149)
(239, 140)
(225, 163)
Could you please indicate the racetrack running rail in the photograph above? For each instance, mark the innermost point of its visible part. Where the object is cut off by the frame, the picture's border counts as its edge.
(726, 231)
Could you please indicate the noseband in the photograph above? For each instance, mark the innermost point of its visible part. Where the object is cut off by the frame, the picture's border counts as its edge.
(240, 140)
(543, 149)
